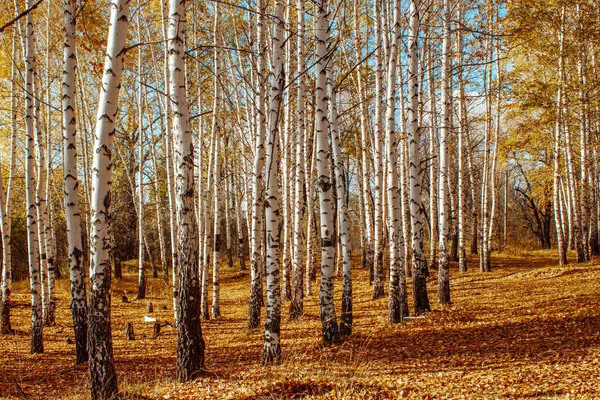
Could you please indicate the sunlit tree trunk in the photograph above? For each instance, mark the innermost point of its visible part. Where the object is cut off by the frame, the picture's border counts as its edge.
(257, 186)
(397, 286)
(419, 264)
(272, 347)
(33, 245)
(310, 213)
(216, 127)
(462, 126)
(583, 253)
(378, 278)
(325, 188)
(297, 303)
(103, 380)
(364, 117)
(558, 214)
(40, 198)
(71, 179)
(444, 209)
(433, 158)
(190, 344)
(173, 227)
(141, 293)
(6, 207)
(342, 210)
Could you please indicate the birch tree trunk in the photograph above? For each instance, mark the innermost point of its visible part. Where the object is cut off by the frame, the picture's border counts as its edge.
(257, 186)
(342, 210)
(71, 179)
(328, 239)
(397, 288)
(169, 164)
(141, 293)
(272, 348)
(190, 344)
(444, 211)
(419, 262)
(40, 199)
(216, 127)
(6, 208)
(366, 184)
(33, 249)
(556, 195)
(103, 380)
(433, 159)
(462, 126)
(297, 303)
(378, 278)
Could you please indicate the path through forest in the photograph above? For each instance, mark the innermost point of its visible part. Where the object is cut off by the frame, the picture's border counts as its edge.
(528, 329)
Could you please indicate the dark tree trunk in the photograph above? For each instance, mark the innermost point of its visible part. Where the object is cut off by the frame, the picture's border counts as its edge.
(5, 328)
(141, 294)
(118, 268)
(103, 380)
(420, 296)
(80, 327)
(474, 233)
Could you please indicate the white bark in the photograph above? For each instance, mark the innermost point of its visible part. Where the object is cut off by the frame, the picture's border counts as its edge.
(190, 345)
(102, 374)
(443, 199)
(296, 305)
(257, 187)
(272, 347)
(397, 286)
(327, 218)
(416, 174)
(71, 180)
(378, 278)
(33, 244)
(342, 210)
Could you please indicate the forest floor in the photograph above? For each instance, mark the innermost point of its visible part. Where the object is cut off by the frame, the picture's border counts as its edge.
(528, 329)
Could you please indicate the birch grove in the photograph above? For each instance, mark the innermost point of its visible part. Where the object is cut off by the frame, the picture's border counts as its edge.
(285, 155)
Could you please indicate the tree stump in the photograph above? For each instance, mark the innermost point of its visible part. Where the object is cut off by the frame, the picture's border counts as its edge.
(156, 329)
(150, 308)
(129, 331)
(124, 299)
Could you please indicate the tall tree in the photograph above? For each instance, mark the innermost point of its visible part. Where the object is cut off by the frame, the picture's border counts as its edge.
(71, 180)
(327, 220)
(258, 178)
(397, 295)
(297, 303)
(443, 202)
(103, 380)
(419, 262)
(35, 272)
(272, 348)
(190, 344)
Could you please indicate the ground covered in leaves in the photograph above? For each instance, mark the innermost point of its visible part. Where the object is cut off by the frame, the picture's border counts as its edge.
(528, 329)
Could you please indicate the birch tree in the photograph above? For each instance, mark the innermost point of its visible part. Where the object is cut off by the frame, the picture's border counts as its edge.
(103, 380)
(257, 173)
(443, 202)
(342, 210)
(190, 344)
(33, 249)
(419, 263)
(6, 207)
(397, 285)
(272, 348)
(297, 302)
(71, 181)
(327, 217)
